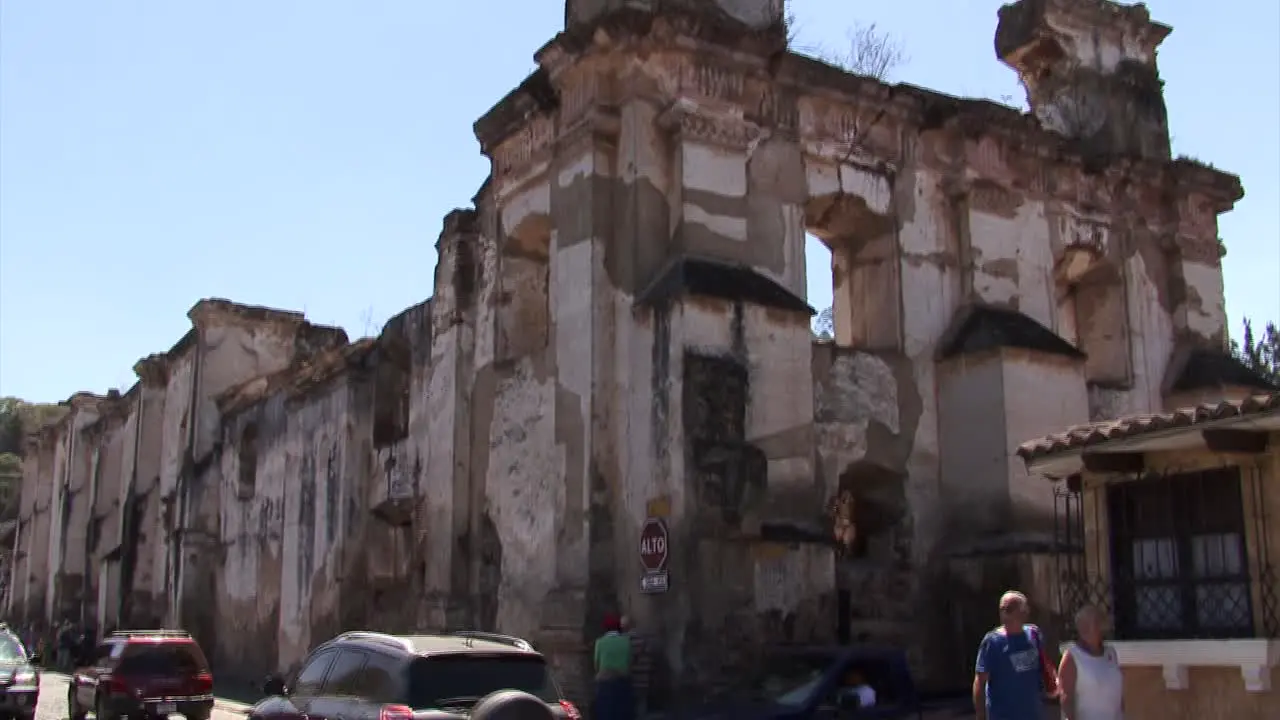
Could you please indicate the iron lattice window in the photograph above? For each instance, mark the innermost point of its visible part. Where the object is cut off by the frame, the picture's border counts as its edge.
(1179, 558)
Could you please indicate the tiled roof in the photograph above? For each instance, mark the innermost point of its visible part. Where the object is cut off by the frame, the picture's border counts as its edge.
(1081, 436)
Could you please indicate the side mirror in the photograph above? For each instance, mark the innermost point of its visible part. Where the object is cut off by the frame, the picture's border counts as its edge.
(35, 659)
(274, 686)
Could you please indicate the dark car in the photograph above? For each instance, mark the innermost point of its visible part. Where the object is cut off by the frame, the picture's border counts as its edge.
(807, 683)
(374, 676)
(143, 673)
(19, 678)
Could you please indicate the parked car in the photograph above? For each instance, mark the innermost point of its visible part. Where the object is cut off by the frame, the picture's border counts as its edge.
(143, 673)
(806, 683)
(19, 678)
(375, 676)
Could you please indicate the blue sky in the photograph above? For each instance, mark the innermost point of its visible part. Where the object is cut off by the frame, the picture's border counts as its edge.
(301, 153)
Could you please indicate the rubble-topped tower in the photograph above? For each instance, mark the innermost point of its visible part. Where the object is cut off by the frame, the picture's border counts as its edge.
(1089, 69)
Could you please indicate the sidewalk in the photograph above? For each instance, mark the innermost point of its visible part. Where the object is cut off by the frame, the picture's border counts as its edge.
(235, 696)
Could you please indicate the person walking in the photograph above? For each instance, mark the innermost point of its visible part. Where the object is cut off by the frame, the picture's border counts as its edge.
(1090, 677)
(66, 644)
(614, 695)
(641, 666)
(1012, 672)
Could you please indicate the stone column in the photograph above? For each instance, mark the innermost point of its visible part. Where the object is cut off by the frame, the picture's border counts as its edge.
(447, 483)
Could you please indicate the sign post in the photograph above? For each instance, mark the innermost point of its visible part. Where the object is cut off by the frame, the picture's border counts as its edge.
(654, 549)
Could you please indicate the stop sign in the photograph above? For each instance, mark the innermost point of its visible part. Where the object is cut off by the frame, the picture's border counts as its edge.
(653, 545)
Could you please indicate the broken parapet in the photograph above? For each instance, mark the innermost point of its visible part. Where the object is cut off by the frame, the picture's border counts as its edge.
(1089, 70)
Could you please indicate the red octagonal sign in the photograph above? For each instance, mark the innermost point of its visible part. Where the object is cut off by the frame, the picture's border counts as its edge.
(653, 545)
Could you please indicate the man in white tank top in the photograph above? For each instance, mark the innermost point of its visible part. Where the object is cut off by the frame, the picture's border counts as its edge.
(1089, 675)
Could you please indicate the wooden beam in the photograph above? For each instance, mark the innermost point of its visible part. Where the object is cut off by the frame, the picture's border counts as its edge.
(1249, 442)
(1115, 463)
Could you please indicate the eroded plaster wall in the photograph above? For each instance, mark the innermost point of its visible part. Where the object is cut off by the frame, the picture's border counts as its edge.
(252, 529)
(315, 519)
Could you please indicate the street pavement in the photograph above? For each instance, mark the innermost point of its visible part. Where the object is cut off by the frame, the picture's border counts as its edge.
(53, 701)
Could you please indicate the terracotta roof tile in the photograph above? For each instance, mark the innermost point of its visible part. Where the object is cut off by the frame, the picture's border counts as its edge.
(1081, 436)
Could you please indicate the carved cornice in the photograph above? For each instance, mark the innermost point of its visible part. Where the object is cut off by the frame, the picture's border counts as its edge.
(153, 370)
(1200, 249)
(990, 197)
(687, 121)
(527, 146)
(599, 126)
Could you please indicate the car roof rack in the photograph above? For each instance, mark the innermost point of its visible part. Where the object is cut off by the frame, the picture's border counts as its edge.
(150, 633)
(381, 638)
(512, 640)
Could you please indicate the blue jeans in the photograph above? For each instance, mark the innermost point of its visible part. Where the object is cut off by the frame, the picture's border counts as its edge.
(615, 700)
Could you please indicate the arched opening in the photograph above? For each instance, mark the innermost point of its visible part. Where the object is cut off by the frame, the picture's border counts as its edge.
(853, 222)
(817, 262)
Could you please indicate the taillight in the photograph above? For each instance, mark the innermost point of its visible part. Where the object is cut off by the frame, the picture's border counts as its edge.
(570, 710)
(395, 712)
(117, 685)
(202, 684)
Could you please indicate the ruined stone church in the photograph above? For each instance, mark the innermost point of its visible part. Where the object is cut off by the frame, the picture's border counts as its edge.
(619, 331)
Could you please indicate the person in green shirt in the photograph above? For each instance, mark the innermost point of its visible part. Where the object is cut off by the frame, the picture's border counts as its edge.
(614, 695)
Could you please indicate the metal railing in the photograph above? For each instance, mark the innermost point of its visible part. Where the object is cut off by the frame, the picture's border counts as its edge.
(1243, 605)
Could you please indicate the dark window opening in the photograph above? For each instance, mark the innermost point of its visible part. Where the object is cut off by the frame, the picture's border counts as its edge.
(391, 394)
(461, 680)
(844, 619)
(248, 476)
(715, 399)
(1179, 563)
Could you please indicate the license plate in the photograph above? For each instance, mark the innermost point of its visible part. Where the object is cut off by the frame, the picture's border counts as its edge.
(166, 708)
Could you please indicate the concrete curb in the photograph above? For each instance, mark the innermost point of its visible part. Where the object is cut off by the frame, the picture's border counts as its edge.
(227, 706)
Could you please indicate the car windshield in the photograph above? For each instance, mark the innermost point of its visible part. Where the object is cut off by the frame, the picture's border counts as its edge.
(11, 650)
(165, 658)
(445, 680)
(792, 680)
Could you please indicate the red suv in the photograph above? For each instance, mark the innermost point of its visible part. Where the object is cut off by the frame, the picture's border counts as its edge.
(147, 673)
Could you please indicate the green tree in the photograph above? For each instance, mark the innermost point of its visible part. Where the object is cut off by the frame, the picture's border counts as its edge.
(1262, 354)
(17, 418)
(824, 324)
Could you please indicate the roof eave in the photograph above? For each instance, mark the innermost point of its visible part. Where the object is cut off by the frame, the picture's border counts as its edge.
(1068, 461)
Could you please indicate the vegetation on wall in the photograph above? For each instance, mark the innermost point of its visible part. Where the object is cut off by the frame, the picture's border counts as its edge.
(17, 418)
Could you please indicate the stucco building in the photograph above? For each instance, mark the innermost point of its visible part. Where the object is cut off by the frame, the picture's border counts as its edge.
(619, 331)
(1174, 518)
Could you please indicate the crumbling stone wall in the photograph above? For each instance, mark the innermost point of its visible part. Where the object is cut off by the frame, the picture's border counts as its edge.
(619, 331)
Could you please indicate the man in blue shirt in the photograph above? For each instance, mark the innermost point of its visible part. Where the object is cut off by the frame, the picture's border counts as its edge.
(1007, 683)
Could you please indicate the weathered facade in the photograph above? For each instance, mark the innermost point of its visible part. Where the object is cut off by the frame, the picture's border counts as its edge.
(619, 331)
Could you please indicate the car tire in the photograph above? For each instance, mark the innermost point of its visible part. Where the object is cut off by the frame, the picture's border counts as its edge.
(73, 708)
